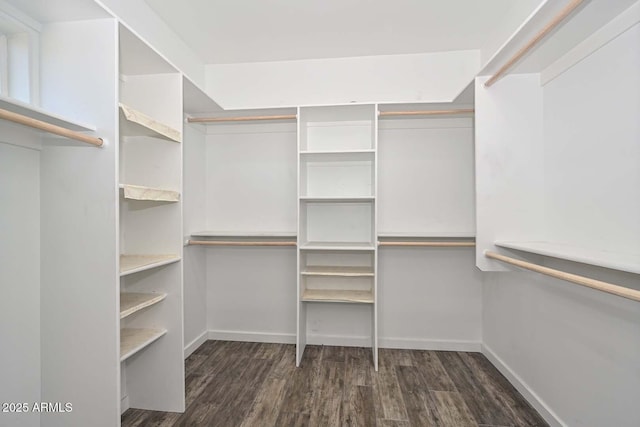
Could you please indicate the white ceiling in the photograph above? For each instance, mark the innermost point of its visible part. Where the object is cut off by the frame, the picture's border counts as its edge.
(232, 31)
(59, 10)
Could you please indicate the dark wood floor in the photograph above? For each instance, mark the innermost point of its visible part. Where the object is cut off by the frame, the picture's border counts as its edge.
(253, 384)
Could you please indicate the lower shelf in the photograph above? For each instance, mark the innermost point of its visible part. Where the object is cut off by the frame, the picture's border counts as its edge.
(335, 295)
(132, 340)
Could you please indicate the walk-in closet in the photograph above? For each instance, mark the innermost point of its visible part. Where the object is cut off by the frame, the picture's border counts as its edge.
(319, 213)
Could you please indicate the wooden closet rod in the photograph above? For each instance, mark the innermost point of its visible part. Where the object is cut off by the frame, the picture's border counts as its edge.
(48, 127)
(240, 119)
(551, 25)
(240, 243)
(427, 112)
(609, 288)
(430, 244)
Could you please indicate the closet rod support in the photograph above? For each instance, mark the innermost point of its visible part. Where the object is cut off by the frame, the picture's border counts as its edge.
(240, 119)
(48, 127)
(551, 25)
(240, 243)
(430, 244)
(609, 288)
(426, 112)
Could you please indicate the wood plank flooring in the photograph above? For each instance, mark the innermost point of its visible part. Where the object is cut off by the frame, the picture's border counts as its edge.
(256, 384)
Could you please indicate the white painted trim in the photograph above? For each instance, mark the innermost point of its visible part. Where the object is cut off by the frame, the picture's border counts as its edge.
(591, 44)
(347, 341)
(435, 345)
(252, 336)
(339, 340)
(124, 404)
(543, 409)
(193, 345)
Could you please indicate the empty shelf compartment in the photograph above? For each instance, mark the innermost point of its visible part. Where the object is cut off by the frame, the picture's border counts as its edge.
(337, 271)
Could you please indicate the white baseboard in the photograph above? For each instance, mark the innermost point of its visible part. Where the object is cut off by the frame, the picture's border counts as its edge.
(435, 345)
(252, 336)
(347, 341)
(193, 345)
(124, 404)
(543, 409)
(339, 340)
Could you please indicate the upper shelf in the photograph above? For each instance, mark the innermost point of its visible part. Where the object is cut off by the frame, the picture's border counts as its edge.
(337, 246)
(613, 260)
(136, 123)
(138, 192)
(359, 199)
(578, 26)
(426, 234)
(240, 234)
(39, 114)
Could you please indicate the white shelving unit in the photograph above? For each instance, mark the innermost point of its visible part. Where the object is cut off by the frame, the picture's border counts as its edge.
(337, 254)
(151, 340)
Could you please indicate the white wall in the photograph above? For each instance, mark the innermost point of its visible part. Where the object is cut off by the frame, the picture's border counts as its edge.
(592, 149)
(19, 276)
(194, 215)
(426, 175)
(251, 177)
(429, 298)
(430, 77)
(574, 348)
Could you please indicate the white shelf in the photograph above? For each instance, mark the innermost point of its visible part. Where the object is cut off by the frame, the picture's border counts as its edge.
(139, 192)
(133, 340)
(337, 246)
(337, 152)
(614, 260)
(39, 114)
(426, 234)
(239, 234)
(131, 302)
(333, 295)
(136, 123)
(357, 199)
(337, 271)
(130, 264)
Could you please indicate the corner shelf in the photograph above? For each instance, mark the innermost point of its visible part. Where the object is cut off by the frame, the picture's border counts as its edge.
(139, 192)
(335, 295)
(628, 262)
(131, 302)
(337, 246)
(130, 264)
(136, 123)
(132, 340)
(337, 271)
